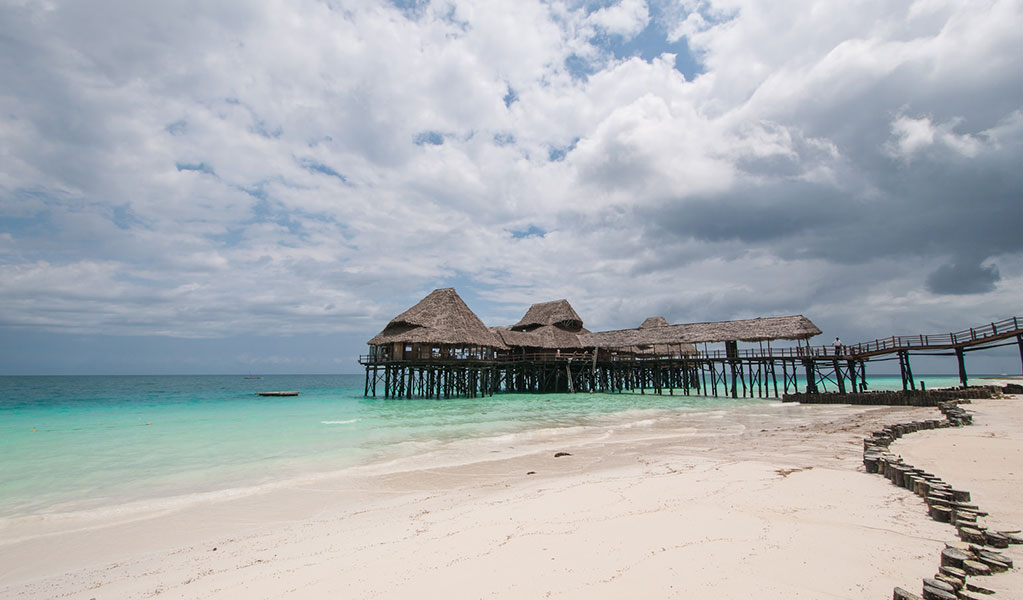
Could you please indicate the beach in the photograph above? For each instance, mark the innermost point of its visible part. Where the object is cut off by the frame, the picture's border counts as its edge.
(749, 501)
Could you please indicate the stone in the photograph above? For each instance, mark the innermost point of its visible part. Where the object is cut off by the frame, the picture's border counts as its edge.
(901, 594)
(969, 534)
(933, 593)
(996, 539)
(973, 567)
(953, 557)
(995, 565)
(937, 583)
(956, 583)
(960, 495)
(953, 572)
(997, 556)
(979, 589)
(940, 513)
(560, 454)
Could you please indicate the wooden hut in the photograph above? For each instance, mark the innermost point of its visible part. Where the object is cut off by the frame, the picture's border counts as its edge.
(547, 330)
(439, 327)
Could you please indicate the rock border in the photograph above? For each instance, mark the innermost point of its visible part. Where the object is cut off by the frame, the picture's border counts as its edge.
(973, 554)
(897, 397)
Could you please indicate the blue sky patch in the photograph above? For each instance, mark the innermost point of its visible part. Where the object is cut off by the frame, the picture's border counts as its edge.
(651, 43)
(510, 98)
(578, 67)
(431, 138)
(318, 167)
(201, 167)
(504, 139)
(179, 127)
(556, 154)
(531, 231)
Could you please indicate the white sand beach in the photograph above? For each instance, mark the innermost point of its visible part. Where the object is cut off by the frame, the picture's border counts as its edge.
(766, 502)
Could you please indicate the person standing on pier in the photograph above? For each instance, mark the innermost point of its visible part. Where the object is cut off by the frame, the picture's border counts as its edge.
(838, 346)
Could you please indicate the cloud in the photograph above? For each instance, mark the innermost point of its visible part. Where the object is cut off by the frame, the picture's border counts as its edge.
(296, 168)
(963, 278)
(625, 18)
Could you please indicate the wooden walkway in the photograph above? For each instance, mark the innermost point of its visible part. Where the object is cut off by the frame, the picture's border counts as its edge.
(752, 372)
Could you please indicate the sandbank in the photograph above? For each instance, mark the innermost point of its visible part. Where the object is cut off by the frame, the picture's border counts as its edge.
(762, 502)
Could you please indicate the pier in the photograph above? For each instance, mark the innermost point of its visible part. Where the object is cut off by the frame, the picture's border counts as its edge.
(440, 349)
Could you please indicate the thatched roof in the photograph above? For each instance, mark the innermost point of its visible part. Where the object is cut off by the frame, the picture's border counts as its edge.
(654, 322)
(548, 337)
(796, 327)
(440, 318)
(556, 312)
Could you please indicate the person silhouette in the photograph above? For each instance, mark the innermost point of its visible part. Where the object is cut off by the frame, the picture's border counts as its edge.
(838, 346)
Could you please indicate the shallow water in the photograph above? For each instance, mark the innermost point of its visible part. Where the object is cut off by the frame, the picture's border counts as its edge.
(72, 444)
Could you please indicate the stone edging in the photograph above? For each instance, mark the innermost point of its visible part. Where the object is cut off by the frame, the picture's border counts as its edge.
(897, 398)
(970, 556)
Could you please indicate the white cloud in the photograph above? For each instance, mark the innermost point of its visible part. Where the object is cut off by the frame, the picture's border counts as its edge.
(238, 167)
(625, 18)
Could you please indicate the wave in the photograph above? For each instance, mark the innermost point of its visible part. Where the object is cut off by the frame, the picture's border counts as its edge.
(348, 422)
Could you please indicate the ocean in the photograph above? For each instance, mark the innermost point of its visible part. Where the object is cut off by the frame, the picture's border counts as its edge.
(79, 444)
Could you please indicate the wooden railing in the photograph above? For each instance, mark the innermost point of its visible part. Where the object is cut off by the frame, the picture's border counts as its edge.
(992, 331)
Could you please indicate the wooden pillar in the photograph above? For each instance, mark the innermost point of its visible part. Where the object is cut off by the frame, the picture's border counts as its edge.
(1019, 341)
(811, 377)
(961, 359)
(906, 371)
(851, 364)
(838, 376)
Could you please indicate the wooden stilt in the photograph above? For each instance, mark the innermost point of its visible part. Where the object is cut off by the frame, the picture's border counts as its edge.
(961, 359)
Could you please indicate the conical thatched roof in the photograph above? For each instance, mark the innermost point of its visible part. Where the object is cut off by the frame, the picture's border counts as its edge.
(556, 312)
(796, 327)
(654, 322)
(440, 318)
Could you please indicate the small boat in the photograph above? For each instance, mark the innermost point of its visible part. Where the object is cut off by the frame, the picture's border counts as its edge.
(277, 393)
(252, 377)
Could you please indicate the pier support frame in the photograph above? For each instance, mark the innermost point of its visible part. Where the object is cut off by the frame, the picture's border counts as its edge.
(961, 359)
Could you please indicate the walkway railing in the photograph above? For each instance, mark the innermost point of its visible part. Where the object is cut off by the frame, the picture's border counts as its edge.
(1003, 329)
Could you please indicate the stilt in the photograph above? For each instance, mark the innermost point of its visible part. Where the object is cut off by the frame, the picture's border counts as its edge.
(811, 377)
(1019, 341)
(838, 376)
(906, 371)
(961, 358)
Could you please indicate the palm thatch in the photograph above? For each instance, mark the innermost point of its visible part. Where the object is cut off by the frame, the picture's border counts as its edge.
(654, 322)
(557, 312)
(546, 337)
(440, 318)
(796, 327)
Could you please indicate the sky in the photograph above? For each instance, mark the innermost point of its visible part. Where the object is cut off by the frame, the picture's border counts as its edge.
(259, 187)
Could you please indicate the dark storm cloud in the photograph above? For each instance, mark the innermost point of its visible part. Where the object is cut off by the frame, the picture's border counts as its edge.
(963, 278)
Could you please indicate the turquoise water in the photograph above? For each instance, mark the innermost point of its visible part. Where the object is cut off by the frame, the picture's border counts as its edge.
(77, 443)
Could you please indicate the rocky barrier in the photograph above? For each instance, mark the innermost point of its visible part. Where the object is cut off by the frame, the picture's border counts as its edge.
(898, 398)
(975, 554)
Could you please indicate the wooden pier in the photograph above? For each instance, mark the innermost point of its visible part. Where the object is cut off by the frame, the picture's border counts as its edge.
(440, 349)
(749, 376)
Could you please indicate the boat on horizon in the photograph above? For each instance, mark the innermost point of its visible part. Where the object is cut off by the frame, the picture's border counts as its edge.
(277, 393)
